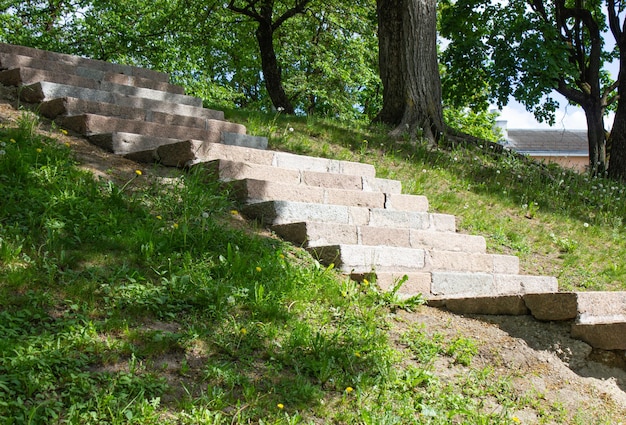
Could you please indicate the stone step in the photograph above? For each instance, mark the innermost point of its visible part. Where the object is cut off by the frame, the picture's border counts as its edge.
(254, 191)
(604, 332)
(29, 76)
(69, 106)
(45, 91)
(192, 152)
(75, 106)
(467, 293)
(281, 181)
(282, 212)
(570, 305)
(84, 62)
(311, 234)
(366, 258)
(89, 124)
(12, 61)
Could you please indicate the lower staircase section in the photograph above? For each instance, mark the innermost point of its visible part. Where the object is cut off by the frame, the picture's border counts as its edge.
(337, 210)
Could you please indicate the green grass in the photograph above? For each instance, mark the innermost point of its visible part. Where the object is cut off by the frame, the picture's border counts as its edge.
(145, 303)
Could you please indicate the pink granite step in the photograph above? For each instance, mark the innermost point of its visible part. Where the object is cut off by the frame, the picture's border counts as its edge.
(30, 76)
(310, 234)
(89, 124)
(254, 191)
(284, 212)
(226, 170)
(83, 62)
(366, 258)
(13, 61)
(163, 112)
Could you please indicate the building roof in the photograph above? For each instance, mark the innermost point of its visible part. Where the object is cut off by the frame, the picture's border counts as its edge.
(548, 142)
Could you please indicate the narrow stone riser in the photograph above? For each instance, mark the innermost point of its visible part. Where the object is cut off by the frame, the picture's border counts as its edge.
(10, 61)
(96, 124)
(84, 62)
(285, 212)
(570, 305)
(63, 107)
(364, 259)
(47, 92)
(312, 234)
(27, 76)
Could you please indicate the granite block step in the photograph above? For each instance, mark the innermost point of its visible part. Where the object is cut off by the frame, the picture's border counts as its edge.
(310, 234)
(255, 191)
(28, 76)
(604, 332)
(282, 212)
(12, 61)
(45, 91)
(368, 258)
(68, 106)
(228, 171)
(83, 62)
(196, 153)
(75, 106)
(570, 305)
(468, 293)
(89, 124)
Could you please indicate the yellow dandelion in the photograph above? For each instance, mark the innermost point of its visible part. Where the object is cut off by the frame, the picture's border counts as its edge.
(64, 131)
(175, 225)
(158, 217)
(243, 331)
(280, 406)
(67, 144)
(12, 141)
(281, 256)
(357, 354)
(234, 212)
(366, 282)
(39, 150)
(516, 420)
(258, 269)
(349, 390)
(138, 172)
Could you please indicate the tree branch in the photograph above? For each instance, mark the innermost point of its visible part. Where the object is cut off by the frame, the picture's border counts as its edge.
(299, 7)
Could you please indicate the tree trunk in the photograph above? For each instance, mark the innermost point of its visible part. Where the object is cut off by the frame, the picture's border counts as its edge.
(271, 69)
(617, 139)
(597, 138)
(407, 38)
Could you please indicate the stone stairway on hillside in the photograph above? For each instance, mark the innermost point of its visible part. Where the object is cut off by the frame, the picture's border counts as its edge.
(337, 210)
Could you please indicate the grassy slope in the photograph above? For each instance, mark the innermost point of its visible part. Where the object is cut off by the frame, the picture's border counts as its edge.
(141, 302)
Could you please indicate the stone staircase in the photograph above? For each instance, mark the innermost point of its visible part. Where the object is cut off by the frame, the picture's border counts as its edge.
(337, 210)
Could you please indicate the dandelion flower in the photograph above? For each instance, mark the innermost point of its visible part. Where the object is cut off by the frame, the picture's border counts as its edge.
(516, 420)
(39, 150)
(357, 354)
(67, 144)
(243, 331)
(234, 212)
(205, 214)
(138, 172)
(291, 129)
(64, 131)
(158, 217)
(585, 224)
(258, 269)
(12, 140)
(175, 226)
(280, 406)
(349, 390)
(3, 144)
(2, 152)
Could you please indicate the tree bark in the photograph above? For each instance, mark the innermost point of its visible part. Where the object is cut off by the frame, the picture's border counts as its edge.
(407, 38)
(617, 138)
(271, 70)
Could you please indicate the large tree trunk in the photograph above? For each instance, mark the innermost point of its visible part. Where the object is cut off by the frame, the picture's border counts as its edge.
(407, 38)
(271, 69)
(596, 135)
(617, 139)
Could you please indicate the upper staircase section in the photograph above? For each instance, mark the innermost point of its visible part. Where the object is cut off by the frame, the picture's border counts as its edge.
(340, 211)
